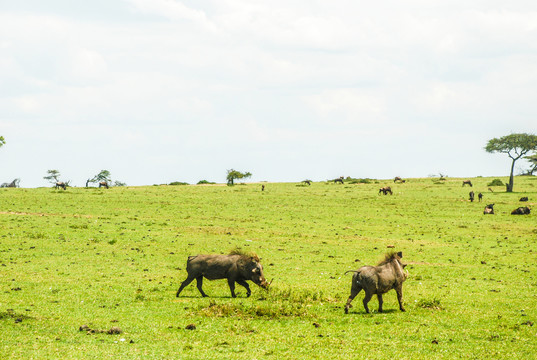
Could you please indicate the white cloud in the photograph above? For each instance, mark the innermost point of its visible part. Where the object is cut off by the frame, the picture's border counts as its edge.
(173, 10)
(348, 106)
(281, 79)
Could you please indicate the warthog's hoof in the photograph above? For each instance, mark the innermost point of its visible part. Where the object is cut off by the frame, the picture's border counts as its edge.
(346, 310)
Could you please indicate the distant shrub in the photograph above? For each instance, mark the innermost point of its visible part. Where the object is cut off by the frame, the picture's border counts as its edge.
(202, 182)
(360, 181)
(179, 183)
(495, 182)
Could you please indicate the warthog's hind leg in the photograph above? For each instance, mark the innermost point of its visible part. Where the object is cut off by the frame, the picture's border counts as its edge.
(184, 284)
(231, 283)
(379, 297)
(199, 281)
(354, 291)
(367, 298)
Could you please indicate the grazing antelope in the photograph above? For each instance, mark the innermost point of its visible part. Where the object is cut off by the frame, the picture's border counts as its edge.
(104, 183)
(60, 184)
(467, 182)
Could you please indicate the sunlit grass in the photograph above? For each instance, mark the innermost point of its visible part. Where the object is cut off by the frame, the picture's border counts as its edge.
(116, 257)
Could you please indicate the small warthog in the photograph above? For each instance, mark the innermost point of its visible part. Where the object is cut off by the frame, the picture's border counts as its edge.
(385, 190)
(380, 279)
(489, 209)
(235, 267)
(521, 211)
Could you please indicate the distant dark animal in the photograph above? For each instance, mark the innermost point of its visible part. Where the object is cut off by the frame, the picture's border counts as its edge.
(60, 184)
(377, 280)
(235, 267)
(491, 190)
(103, 184)
(471, 196)
(521, 211)
(339, 180)
(385, 190)
(525, 198)
(467, 182)
(397, 178)
(262, 187)
(489, 209)
(307, 182)
(480, 197)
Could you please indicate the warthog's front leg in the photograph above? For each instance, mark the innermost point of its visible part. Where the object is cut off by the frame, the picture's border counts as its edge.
(245, 284)
(399, 291)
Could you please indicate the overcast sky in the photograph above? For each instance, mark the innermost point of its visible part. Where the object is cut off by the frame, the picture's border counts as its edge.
(157, 91)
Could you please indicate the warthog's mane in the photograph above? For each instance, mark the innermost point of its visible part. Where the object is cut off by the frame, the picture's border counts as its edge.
(389, 257)
(244, 254)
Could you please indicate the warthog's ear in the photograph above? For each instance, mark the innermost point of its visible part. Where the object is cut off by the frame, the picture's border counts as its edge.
(400, 254)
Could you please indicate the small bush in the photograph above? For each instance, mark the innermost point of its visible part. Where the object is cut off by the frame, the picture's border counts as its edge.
(204, 182)
(179, 183)
(495, 182)
(360, 181)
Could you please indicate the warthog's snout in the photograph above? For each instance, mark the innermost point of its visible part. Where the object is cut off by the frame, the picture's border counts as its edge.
(265, 284)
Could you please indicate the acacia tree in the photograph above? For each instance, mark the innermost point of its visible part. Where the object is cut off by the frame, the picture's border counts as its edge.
(234, 174)
(2, 141)
(52, 176)
(515, 146)
(104, 175)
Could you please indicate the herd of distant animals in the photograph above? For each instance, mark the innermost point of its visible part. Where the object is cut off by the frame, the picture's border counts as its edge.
(63, 185)
(374, 280)
(489, 209)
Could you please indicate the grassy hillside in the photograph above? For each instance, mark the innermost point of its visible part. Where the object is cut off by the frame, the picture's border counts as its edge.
(115, 258)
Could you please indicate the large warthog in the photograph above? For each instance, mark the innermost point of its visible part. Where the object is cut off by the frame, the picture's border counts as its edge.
(380, 279)
(521, 211)
(235, 267)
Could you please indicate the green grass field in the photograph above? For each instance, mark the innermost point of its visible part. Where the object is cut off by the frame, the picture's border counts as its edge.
(115, 258)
